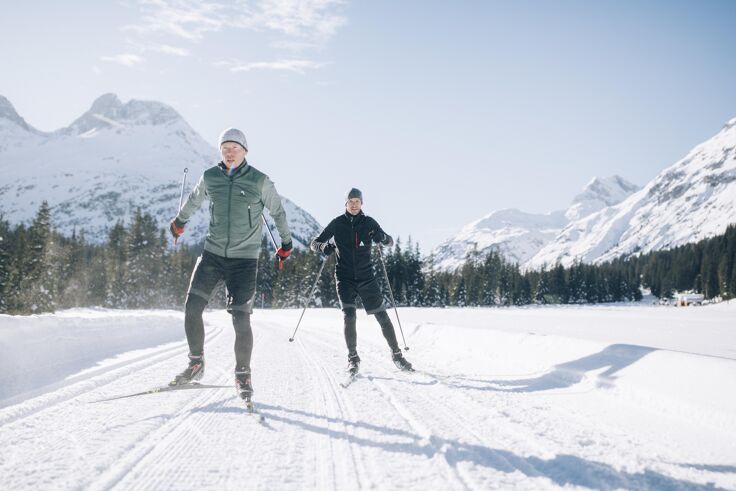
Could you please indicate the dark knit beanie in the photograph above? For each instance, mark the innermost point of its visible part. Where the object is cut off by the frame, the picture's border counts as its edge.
(353, 193)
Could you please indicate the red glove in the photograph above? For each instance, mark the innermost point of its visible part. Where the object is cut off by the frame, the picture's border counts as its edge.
(283, 252)
(176, 229)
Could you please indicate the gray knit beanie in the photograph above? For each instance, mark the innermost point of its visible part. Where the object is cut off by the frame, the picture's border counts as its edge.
(353, 193)
(234, 135)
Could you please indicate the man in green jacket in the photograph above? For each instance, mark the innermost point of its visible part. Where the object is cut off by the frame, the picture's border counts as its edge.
(237, 193)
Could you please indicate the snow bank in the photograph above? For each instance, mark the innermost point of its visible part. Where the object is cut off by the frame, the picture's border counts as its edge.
(45, 349)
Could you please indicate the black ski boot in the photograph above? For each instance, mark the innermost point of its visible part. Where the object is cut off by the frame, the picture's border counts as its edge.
(401, 362)
(243, 384)
(194, 371)
(353, 364)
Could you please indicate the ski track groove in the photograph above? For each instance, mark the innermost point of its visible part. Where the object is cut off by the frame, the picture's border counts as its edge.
(100, 378)
(190, 425)
(427, 435)
(439, 413)
(139, 449)
(125, 467)
(451, 470)
(339, 403)
(452, 418)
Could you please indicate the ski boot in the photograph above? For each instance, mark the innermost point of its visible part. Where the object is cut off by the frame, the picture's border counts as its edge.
(193, 372)
(401, 362)
(243, 385)
(353, 364)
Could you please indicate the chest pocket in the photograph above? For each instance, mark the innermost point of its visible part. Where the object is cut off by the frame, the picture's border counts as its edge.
(251, 206)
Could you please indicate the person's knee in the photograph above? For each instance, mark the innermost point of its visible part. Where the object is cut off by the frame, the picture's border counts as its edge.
(241, 321)
(383, 318)
(194, 306)
(349, 314)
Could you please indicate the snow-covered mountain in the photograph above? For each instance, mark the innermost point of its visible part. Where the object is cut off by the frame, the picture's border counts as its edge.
(112, 159)
(693, 199)
(598, 194)
(518, 235)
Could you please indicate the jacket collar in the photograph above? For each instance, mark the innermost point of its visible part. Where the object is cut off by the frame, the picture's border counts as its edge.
(241, 169)
(354, 218)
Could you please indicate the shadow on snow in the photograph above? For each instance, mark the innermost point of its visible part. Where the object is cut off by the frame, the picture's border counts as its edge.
(562, 469)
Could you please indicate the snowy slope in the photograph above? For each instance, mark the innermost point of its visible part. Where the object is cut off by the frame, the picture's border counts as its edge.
(112, 159)
(603, 397)
(689, 201)
(518, 236)
(515, 234)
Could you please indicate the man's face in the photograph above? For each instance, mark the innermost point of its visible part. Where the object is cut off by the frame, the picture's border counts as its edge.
(232, 154)
(353, 206)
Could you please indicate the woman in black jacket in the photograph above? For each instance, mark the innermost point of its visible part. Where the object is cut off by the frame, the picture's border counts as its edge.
(354, 232)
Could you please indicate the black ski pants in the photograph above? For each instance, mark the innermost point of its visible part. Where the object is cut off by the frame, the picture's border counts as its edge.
(351, 332)
(240, 280)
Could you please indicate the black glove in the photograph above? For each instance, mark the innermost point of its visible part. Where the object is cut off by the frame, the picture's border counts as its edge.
(381, 238)
(377, 236)
(327, 248)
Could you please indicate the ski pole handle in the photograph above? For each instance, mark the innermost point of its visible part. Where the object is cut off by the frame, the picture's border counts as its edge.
(181, 197)
(273, 240)
(181, 194)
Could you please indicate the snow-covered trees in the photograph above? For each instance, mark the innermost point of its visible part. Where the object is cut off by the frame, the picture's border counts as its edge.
(137, 267)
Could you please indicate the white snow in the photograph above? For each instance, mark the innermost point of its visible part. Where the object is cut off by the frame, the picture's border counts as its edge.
(519, 236)
(691, 200)
(604, 397)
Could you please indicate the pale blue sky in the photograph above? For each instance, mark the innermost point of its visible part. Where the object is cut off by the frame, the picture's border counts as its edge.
(440, 111)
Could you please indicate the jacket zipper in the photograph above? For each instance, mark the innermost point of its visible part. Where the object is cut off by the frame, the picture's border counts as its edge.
(250, 222)
(355, 263)
(229, 205)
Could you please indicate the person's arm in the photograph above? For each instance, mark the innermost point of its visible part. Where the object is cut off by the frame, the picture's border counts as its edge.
(194, 200)
(321, 242)
(272, 201)
(378, 235)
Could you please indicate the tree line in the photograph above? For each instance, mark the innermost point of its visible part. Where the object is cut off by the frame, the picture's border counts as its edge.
(138, 267)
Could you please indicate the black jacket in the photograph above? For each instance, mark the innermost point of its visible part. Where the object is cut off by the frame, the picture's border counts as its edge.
(353, 240)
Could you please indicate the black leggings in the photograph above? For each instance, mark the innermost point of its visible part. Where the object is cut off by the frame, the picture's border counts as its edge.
(351, 333)
(194, 327)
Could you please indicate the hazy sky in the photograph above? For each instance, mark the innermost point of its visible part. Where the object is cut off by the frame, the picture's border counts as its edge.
(441, 112)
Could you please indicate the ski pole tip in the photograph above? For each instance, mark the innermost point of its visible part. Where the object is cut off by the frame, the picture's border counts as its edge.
(406, 348)
(291, 340)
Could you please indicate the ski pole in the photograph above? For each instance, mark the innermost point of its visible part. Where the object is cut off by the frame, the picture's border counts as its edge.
(314, 287)
(385, 274)
(273, 240)
(181, 196)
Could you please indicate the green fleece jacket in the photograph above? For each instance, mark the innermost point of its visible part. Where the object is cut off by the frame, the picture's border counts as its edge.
(236, 204)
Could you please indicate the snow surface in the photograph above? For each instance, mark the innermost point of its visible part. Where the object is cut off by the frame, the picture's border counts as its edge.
(602, 397)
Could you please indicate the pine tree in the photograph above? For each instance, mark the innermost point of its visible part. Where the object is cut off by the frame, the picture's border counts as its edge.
(144, 262)
(5, 266)
(542, 290)
(459, 297)
(37, 282)
(116, 260)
